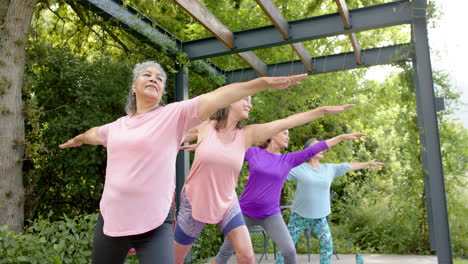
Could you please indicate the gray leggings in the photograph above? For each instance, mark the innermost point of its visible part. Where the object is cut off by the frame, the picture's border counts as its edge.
(155, 246)
(276, 228)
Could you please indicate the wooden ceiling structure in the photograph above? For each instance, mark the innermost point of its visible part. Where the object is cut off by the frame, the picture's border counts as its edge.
(283, 32)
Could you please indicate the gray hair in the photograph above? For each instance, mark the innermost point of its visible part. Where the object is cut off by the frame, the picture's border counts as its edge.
(309, 142)
(130, 105)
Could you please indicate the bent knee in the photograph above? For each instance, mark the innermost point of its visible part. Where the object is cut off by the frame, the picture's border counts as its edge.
(288, 251)
(245, 257)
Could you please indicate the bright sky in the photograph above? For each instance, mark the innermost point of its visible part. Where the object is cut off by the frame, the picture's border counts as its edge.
(449, 46)
(451, 41)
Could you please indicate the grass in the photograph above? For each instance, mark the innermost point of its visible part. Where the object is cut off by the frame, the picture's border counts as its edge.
(460, 261)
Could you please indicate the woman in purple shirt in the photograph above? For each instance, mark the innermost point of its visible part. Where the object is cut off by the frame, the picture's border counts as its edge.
(260, 201)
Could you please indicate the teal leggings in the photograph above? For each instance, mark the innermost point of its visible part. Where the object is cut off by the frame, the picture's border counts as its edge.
(297, 225)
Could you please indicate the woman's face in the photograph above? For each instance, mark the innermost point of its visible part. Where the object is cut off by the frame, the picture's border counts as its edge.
(241, 109)
(319, 155)
(282, 139)
(149, 86)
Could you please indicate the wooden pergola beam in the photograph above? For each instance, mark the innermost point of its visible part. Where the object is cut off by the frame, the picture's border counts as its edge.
(282, 25)
(356, 47)
(344, 13)
(278, 20)
(198, 11)
(303, 56)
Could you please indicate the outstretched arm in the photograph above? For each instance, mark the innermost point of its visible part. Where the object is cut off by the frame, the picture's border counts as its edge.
(90, 137)
(333, 141)
(192, 135)
(261, 132)
(231, 93)
(362, 165)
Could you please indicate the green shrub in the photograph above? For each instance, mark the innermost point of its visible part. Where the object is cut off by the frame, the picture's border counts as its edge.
(66, 241)
(207, 244)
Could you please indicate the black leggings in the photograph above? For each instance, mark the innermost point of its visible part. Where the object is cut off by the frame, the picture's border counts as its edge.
(155, 246)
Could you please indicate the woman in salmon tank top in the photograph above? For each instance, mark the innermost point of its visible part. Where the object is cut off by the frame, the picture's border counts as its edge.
(209, 195)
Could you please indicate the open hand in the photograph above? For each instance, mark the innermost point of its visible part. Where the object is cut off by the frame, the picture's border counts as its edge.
(352, 136)
(282, 82)
(335, 109)
(72, 143)
(191, 147)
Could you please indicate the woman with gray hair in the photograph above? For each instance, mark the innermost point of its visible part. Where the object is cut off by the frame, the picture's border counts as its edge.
(135, 208)
(311, 204)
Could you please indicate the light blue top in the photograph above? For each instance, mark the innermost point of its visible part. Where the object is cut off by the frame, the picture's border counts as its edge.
(312, 198)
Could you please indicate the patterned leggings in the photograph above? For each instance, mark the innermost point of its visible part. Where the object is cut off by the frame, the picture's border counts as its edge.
(297, 225)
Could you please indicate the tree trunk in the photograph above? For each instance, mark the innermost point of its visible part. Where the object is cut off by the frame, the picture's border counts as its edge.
(15, 19)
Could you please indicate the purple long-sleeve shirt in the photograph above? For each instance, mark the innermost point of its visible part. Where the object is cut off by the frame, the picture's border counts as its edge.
(267, 174)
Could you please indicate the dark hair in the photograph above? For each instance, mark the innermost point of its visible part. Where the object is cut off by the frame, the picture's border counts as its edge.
(265, 144)
(221, 117)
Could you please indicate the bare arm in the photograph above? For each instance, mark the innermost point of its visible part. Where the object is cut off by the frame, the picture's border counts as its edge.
(261, 132)
(196, 134)
(231, 93)
(362, 165)
(192, 135)
(90, 137)
(333, 141)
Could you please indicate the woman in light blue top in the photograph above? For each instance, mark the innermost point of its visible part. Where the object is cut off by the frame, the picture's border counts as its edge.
(311, 204)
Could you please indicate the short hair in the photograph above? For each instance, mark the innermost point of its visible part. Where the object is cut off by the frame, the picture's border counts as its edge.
(130, 105)
(309, 142)
(141, 67)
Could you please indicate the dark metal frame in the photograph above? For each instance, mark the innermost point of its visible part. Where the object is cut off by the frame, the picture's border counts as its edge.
(372, 17)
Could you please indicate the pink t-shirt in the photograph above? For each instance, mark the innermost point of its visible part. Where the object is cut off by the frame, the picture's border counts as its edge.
(212, 180)
(140, 174)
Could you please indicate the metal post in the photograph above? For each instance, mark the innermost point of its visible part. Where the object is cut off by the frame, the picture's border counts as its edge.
(429, 132)
(427, 187)
(183, 157)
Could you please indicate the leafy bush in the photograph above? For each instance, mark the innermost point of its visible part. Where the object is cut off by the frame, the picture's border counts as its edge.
(207, 244)
(69, 240)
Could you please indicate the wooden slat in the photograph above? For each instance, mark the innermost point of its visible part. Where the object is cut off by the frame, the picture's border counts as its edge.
(270, 9)
(303, 55)
(356, 47)
(282, 25)
(253, 61)
(198, 11)
(344, 13)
